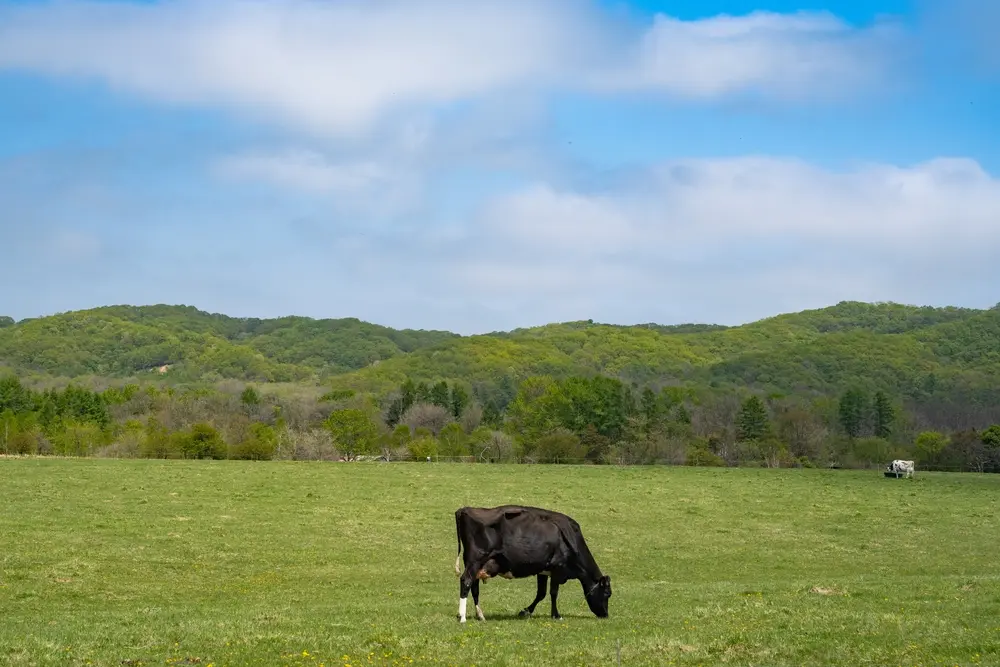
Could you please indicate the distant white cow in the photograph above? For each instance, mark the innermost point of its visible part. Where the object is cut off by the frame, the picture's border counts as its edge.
(900, 467)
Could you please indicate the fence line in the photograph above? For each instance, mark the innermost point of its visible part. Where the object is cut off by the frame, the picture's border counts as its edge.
(527, 461)
(530, 462)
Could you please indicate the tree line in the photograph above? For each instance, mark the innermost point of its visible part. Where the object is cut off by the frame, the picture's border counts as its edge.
(541, 419)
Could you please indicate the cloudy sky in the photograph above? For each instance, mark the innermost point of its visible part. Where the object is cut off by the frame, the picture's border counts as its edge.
(489, 164)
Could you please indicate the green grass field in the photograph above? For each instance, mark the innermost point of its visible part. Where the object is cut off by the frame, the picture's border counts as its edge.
(111, 562)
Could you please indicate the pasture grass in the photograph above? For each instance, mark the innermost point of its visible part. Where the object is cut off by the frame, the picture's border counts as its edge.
(114, 562)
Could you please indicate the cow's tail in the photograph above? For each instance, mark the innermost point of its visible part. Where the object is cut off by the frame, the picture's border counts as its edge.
(458, 533)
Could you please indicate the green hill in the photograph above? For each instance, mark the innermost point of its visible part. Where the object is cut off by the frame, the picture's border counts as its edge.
(126, 340)
(911, 350)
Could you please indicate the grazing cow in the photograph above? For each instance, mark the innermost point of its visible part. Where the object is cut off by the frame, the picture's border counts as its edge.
(514, 542)
(900, 467)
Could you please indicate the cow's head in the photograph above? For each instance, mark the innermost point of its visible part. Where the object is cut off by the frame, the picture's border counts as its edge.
(597, 596)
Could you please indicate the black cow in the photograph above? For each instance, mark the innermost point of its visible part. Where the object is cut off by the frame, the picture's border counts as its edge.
(514, 541)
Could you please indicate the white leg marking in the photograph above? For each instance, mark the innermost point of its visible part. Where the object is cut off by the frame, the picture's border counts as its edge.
(461, 609)
(458, 562)
(479, 613)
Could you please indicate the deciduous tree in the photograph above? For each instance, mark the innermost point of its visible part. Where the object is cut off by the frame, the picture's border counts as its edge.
(354, 433)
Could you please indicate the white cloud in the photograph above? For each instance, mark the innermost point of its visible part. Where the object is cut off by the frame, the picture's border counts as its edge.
(370, 187)
(737, 239)
(306, 170)
(933, 205)
(319, 65)
(723, 240)
(540, 217)
(336, 68)
(747, 198)
(781, 55)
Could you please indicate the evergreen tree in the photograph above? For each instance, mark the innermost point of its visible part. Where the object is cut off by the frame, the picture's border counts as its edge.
(753, 422)
(459, 400)
(422, 393)
(440, 395)
(250, 399)
(13, 395)
(851, 410)
(884, 414)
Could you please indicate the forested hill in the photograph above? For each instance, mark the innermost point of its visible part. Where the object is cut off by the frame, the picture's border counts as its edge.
(120, 341)
(911, 350)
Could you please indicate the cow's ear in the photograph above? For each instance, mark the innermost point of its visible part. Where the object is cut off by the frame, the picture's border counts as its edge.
(606, 580)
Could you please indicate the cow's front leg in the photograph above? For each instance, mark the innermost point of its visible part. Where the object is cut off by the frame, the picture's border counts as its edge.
(555, 594)
(543, 582)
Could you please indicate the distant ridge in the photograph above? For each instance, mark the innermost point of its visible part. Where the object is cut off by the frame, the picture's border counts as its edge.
(911, 350)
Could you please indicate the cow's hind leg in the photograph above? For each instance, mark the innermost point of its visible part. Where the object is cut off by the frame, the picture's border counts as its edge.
(475, 600)
(470, 582)
(466, 583)
(543, 582)
(464, 586)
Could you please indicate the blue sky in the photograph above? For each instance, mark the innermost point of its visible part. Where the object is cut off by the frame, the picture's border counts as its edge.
(518, 163)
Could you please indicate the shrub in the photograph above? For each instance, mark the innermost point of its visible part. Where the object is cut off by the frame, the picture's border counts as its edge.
(701, 456)
(201, 441)
(23, 443)
(78, 438)
(559, 446)
(259, 445)
(655, 448)
(771, 452)
(119, 449)
(453, 441)
(157, 443)
(870, 451)
(311, 445)
(929, 445)
(492, 446)
(421, 448)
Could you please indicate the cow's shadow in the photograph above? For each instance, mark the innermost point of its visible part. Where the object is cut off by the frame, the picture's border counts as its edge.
(537, 618)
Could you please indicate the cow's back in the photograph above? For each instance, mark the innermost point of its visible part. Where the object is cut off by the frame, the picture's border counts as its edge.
(533, 543)
(520, 532)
